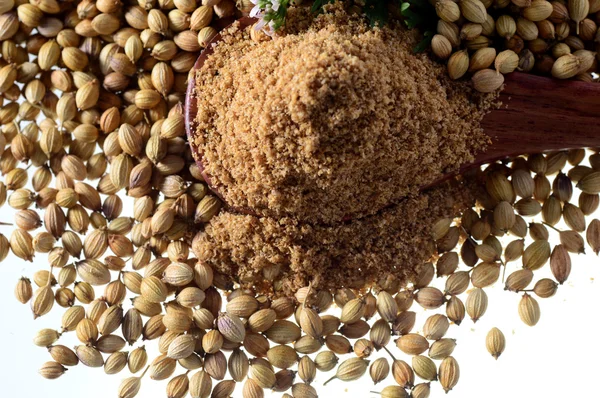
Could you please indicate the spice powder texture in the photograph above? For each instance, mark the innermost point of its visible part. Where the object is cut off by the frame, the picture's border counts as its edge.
(332, 121)
(390, 245)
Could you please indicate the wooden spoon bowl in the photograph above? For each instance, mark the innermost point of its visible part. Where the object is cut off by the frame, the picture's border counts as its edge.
(538, 114)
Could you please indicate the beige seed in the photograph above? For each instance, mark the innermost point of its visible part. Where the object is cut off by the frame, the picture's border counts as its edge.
(412, 344)
(458, 64)
(231, 327)
(351, 369)
(379, 370)
(311, 322)
(545, 288)
(115, 363)
(449, 373)
(430, 298)
(262, 374)
(282, 356)
(529, 310)
(52, 370)
(495, 342)
(435, 327)
(442, 348)
(178, 274)
(23, 290)
(424, 367)
(42, 301)
(178, 386)
(536, 255)
(403, 373)
(476, 304)
(560, 263)
(394, 392)
(130, 387)
(153, 289)
(578, 11)
(162, 367)
(518, 280)
(487, 80)
(238, 365)
(89, 356)
(200, 385)
(46, 337)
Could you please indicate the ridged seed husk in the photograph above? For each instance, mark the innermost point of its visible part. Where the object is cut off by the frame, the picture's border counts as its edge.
(23, 290)
(424, 367)
(130, 387)
(536, 255)
(200, 385)
(42, 301)
(379, 370)
(46, 337)
(137, 360)
(394, 392)
(435, 327)
(560, 263)
(63, 355)
(442, 348)
(485, 274)
(89, 356)
(529, 310)
(283, 332)
(178, 386)
(593, 235)
(430, 298)
(72, 317)
(153, 289)
(380, 334)
(495, 342)
(412, 344)
(325, 361)
(449, 373)
(109, 344)
(52, 370)
(231, 327)
(263, 375)
(351, 369)
(162, 367)
(93, 272)
(518, 280)
(403, 373)
(178, 274)
(115, 363)
(476, 304)
(282, 356)
(132, 326)
(404, 323)
(238, 365)
(110, 320)
(457, 283)
(262, 320)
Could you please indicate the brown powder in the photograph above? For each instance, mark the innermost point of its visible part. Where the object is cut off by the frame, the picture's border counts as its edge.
(329, 122)
(392, 244)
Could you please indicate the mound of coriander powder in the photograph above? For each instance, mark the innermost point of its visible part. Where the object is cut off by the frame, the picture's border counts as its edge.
(329, 122)
(281, 256)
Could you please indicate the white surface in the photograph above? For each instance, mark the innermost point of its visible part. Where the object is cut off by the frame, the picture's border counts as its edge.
(554, 359)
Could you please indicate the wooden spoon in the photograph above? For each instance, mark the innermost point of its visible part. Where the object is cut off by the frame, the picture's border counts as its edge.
(538, 114)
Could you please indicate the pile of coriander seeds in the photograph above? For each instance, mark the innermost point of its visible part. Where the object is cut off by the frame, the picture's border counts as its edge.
(486, 39)
(92, 116)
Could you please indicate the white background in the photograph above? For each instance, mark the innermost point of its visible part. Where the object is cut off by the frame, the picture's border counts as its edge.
(556, 358)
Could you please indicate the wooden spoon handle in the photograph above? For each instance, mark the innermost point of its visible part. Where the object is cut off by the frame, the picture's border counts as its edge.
(540, 114)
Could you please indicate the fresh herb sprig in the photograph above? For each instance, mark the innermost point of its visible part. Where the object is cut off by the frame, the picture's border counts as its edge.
(416, 13)
(271, 14)
(421, 14)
